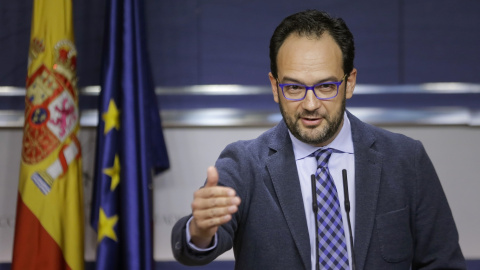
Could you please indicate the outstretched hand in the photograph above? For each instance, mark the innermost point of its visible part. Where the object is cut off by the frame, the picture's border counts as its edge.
(212, 206)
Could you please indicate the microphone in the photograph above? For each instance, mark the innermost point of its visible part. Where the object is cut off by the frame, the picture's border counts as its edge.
(347, 210)
(315, 212)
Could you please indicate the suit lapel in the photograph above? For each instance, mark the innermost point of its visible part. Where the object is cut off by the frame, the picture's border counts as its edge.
(284, 176)
(286, 184)
(368, 166)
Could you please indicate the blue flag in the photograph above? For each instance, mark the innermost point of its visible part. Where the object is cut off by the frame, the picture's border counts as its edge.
(130, 143)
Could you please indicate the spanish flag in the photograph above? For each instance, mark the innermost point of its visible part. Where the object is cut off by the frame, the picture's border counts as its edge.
(49, 224)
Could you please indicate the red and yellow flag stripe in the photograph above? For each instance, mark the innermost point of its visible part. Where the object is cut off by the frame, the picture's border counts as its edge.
(49, 230)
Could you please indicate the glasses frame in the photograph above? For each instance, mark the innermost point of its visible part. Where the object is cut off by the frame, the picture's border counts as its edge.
(310, 88)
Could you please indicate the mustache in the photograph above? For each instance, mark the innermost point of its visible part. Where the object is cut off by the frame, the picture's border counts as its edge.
(307, 114)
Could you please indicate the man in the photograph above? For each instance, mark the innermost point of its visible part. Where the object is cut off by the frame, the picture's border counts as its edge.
(258, 197)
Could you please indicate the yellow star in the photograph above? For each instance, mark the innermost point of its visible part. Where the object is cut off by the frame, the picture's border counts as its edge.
(114, 173)
(105, 226)
(111, 117)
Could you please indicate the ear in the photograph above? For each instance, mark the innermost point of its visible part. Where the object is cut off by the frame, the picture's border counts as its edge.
(351, 81)
(273, 82)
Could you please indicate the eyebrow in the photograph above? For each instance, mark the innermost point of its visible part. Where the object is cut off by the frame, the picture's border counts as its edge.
(292, 80)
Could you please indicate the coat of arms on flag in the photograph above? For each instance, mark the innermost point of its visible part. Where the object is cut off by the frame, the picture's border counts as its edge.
(52, 114)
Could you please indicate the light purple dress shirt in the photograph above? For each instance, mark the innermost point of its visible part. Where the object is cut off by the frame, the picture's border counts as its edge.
(306, 166)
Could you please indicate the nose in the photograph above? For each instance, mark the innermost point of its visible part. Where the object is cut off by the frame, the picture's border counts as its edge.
(311, 102)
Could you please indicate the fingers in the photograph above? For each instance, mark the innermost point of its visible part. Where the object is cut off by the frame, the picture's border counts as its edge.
(211, 189)
(213, 212)
(214, 192)
(212, 177)
(214, 217)
(206, 222)
(200, 203)
(212, 206)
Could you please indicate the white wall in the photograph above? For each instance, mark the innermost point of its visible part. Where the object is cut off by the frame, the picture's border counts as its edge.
(455, 151)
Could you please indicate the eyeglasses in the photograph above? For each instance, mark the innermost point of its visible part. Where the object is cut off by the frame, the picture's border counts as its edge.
(323, 91)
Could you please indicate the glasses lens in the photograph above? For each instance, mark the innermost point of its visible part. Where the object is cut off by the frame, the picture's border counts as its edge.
(325, 90)
(294, 91)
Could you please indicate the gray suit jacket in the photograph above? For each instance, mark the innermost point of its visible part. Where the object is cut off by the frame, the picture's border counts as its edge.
(402, 217)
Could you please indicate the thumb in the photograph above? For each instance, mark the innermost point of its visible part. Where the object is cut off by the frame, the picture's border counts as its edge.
(212, 177)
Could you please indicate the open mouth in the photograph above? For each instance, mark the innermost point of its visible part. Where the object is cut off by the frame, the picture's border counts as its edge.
(311, 121)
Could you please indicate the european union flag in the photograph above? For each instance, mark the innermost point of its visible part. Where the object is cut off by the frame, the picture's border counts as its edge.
(130, 143)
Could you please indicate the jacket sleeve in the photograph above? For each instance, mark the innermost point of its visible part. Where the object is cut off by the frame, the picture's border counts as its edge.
(436, 236)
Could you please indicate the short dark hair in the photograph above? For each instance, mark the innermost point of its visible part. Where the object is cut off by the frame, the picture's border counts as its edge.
(313, 23)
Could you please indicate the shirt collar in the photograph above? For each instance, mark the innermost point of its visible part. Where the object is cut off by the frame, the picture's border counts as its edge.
(343, 142)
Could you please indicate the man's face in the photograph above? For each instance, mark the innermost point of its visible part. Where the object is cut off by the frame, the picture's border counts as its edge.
(309, 61)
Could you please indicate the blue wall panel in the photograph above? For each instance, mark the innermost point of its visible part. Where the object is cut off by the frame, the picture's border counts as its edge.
(195, 42)
(88, 23)
(173, 39)
(442, 41)
(14, 40)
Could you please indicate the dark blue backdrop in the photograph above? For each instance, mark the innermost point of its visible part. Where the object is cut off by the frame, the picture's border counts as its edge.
(195, 42)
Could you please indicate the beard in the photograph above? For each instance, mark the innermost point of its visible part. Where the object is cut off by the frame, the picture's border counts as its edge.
(314, 135)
